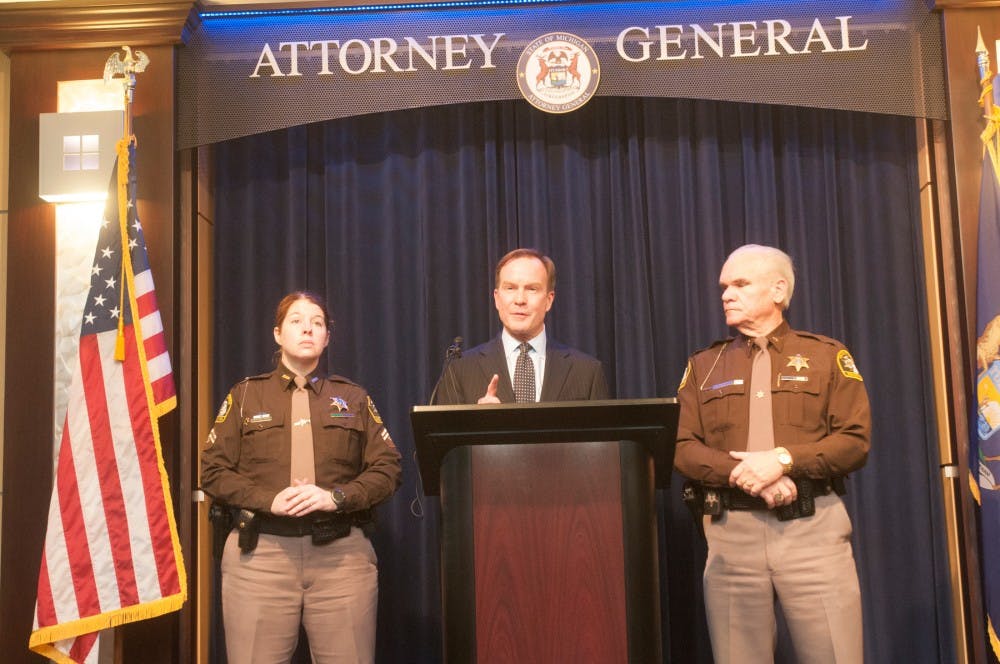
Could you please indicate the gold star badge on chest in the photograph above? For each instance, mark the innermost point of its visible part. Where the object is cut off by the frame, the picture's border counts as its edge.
(798, 362)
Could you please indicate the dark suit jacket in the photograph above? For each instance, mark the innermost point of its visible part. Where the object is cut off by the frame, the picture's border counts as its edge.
(569, 375)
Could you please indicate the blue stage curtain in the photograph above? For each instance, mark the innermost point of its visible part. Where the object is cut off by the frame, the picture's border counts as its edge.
(398, 220)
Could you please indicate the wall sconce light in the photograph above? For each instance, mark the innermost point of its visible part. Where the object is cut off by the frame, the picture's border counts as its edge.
(76, 153)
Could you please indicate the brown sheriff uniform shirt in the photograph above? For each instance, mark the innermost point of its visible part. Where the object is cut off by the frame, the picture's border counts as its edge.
(247, 460)
(821, 411)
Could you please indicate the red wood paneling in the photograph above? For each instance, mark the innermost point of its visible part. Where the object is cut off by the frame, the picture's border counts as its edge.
(549, 556)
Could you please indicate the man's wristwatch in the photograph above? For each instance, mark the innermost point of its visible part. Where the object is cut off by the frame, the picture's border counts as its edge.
(338, 498)
(785, 459)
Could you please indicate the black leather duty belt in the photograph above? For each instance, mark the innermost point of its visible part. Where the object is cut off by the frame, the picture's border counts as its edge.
(713, 501)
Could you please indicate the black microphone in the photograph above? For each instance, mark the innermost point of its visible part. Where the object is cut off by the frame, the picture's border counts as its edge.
(454, 351)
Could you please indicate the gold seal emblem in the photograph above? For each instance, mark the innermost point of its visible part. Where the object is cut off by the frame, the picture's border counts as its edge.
(558, 72)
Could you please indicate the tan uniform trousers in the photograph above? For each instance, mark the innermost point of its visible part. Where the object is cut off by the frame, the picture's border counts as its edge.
(806, 563)
(331, 589)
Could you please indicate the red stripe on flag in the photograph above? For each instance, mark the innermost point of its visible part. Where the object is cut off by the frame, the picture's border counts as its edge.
(115, 516)
(154, 345)
(147, 303)
(73, 527)
(82, 646)
(163, 389)
(45, 611)
(145, 448)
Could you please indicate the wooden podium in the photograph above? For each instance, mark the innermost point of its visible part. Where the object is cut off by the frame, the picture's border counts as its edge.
(548, 527)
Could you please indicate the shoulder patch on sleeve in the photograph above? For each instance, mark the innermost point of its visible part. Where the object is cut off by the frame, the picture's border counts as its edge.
(374, 411)
(224, 409)
(847, 366)
(684, 378)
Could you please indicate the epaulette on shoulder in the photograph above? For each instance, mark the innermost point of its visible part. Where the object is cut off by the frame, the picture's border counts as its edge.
(714, 344)
(262, 376)
(818, 337)
(336, 378)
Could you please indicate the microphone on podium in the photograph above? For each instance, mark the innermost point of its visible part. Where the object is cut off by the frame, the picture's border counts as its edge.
(454, 351)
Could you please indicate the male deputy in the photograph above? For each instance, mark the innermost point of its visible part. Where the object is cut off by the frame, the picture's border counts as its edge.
(522, 364)
(771, 421)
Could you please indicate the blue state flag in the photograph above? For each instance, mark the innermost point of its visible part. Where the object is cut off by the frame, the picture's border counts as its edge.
(985, 444)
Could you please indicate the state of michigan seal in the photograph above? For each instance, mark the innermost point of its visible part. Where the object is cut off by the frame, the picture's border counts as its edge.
(558, 72)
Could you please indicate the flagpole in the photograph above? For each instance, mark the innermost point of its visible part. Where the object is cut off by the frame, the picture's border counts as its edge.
(124, 70)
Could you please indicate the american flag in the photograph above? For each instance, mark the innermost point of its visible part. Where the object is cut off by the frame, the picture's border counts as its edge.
(112, 554)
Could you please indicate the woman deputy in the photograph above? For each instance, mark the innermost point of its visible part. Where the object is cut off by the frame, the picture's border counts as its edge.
(295, 463)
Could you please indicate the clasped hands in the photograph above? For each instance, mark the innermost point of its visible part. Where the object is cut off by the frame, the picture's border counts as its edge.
(761, 474)
(302, 498)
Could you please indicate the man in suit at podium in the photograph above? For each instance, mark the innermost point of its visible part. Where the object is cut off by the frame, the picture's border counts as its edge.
(522, 364)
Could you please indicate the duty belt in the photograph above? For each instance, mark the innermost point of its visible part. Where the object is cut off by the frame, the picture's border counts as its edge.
(321, 527)
(286, 526)
(713, 501)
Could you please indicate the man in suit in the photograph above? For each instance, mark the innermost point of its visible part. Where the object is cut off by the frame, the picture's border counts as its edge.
(522, 364)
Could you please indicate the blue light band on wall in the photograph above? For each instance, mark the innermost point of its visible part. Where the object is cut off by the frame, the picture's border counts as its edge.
(455, 4)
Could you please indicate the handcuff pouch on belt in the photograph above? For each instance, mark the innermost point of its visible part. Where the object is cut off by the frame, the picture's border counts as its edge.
(713, 501)
(248, 529)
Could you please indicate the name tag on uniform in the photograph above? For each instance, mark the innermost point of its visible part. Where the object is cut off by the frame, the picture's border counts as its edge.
(734, 381)
(260, 417)
(796, 379)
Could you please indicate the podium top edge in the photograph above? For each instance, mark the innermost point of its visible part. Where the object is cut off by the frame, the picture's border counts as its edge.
(554, 405)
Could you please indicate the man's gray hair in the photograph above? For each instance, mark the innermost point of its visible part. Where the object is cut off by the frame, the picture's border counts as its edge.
(779, 261)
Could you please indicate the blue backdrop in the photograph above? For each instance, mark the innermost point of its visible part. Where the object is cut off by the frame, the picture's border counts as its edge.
(398, 220)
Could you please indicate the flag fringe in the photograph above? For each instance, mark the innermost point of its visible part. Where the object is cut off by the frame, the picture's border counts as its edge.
(57, 656)
(164, 407)
(43, 638)
(994, 641)
(155, 409)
